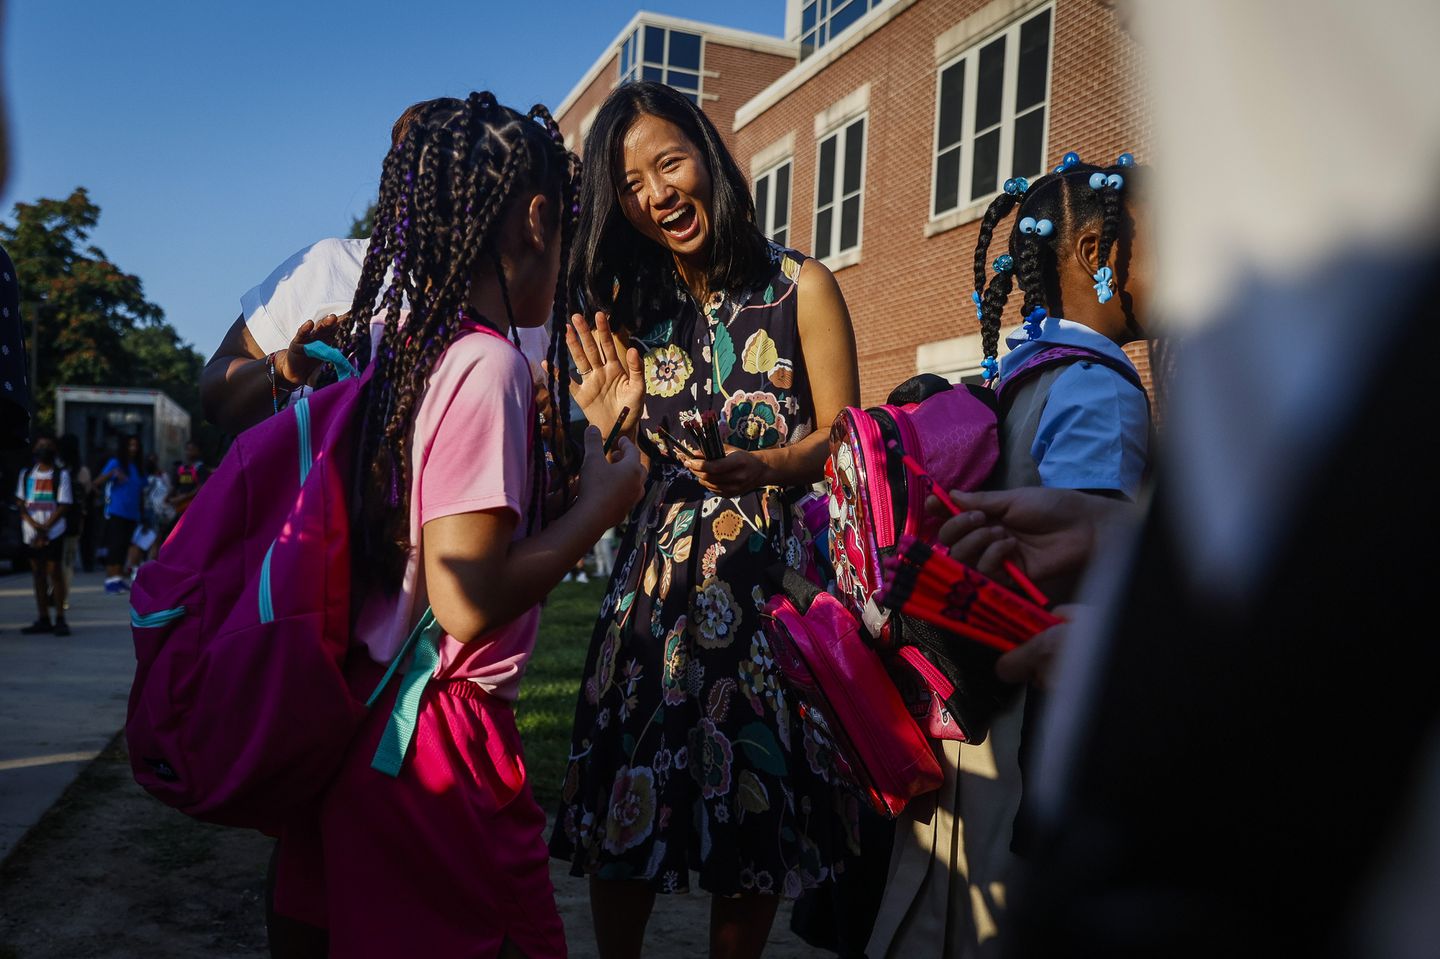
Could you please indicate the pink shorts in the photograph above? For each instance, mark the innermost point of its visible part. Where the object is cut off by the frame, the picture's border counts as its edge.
(448, 859)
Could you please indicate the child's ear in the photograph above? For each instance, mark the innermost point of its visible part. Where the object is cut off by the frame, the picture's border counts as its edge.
(1087, 250)
(535, 222)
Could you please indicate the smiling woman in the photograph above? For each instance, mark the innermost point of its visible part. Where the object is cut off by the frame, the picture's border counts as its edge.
(686, 754)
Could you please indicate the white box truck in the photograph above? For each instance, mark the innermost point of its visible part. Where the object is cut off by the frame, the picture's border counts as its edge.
(100, 416)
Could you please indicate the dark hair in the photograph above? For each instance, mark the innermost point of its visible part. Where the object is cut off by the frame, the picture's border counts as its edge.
(616, 268)
(1067, 200)
(123, 452)
(445, 189)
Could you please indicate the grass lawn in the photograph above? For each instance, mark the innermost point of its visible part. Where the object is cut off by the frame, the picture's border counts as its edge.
(552, 682)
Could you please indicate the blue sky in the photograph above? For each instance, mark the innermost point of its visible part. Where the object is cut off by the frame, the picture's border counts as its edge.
(220, 137)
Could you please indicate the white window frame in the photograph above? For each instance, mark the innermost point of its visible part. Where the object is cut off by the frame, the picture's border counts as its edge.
(767, 217)
(822, 24)
(638, 62)
(838, 258)
(1006, 126)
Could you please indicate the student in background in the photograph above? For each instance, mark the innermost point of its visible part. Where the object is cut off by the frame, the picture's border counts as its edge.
(77, 518)
(44, 496)
(124, 487)
(186, 479)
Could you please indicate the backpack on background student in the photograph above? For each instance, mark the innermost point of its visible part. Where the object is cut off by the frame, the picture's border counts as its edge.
(240, 711)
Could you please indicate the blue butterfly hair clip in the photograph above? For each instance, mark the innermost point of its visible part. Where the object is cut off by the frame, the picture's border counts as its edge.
(1033, 321)
(1104, 281)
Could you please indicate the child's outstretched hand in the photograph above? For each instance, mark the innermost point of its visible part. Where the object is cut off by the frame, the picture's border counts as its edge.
(610, 485)
(296, 366)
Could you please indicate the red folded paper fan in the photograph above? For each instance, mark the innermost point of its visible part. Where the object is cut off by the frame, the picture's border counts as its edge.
(924, 582)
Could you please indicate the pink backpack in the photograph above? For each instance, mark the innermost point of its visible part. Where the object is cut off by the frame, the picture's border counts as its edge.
(874, 500)
(850, 713)
(240, 711)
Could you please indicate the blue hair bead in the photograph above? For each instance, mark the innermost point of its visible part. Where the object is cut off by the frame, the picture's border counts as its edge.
(1044, 227)
(1027, 225)
(1070, 159)
(1022, 184)
(1037, 315)
(1012, 187)
(1003, 263)
(979, 310)
(1115, 181)
(1097, 181)
(991, 367)
(1126, 159)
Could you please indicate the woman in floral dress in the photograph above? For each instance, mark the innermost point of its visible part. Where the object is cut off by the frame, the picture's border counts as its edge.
(686, 755)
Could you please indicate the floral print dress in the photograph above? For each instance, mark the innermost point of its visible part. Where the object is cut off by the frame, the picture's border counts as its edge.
(686, 754)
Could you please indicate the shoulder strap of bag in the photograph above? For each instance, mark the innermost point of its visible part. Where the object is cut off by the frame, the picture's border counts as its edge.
(423, 642)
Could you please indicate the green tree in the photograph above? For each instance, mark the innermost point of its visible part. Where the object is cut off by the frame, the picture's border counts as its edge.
(363, 225)
(95, 326)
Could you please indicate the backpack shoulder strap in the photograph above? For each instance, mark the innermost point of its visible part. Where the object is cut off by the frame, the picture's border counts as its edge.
(1053, 356)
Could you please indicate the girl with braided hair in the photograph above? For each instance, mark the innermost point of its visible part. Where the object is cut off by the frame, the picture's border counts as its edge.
(686, 755)
(1073, 415)
(477, 209)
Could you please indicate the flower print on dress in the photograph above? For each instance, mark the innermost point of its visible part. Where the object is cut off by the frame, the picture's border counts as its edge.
(711, 559)
(632, 809)
(728, 525)
(753, 421)
(667, 370)
(712, 758)
(713, 614)
(677, 655)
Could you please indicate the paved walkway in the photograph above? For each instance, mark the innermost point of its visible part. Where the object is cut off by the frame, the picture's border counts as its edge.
(61, 700)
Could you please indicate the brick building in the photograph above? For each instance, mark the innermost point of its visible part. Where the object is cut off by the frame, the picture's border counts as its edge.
(877, 131)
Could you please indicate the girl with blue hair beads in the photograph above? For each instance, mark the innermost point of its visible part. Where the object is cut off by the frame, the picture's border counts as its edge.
(1074, 414)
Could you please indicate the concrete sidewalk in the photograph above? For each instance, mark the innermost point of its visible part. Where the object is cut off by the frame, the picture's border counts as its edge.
(61, 699)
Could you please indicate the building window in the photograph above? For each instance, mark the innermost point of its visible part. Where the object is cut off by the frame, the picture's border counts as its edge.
(668, 56)
(772, 202)
(823, 20)
(840, 190)
(990, 114)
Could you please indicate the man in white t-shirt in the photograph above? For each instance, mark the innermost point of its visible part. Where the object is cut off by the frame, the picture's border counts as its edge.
(43, 496)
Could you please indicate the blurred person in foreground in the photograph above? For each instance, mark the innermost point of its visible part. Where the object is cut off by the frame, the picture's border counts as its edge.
(1241, 756)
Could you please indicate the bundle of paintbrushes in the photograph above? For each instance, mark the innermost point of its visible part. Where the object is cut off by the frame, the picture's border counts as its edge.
(924, 582)
(705, 425)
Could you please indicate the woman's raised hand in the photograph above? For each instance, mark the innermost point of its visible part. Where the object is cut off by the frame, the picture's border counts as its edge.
(611, 374)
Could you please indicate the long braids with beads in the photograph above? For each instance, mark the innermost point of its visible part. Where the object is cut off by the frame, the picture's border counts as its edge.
(444, 191)
(1047, 212)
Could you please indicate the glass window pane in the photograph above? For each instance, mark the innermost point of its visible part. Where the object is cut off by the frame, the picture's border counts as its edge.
(807, 18)
(654, 73)
(826, 177)
(693, 98)
(989, 85)
(842, 16)
(987, 165)
(782, 236)
(682, 80)
(684, 50)
(654, 45)
(782, 196)
(822, 233)
(850, 223)
(627, 54)
(854, 156)
(952, 104)
(1029, 131)
(807, 45)
(1034, 61)
(762, 209)
(947, 181)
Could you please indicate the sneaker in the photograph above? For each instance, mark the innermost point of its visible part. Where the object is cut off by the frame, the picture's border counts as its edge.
(581, 578)
(114, 586)
(62, 628)
(37, 627)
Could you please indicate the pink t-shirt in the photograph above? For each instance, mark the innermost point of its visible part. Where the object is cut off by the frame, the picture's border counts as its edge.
(470, 451)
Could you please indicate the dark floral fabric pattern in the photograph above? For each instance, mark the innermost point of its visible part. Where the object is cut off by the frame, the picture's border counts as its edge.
(686, 755)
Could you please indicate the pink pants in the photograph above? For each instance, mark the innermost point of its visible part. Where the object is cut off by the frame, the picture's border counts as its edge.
(449, 859)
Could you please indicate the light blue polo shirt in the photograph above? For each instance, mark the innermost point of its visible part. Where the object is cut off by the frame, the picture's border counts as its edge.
(1094, 432)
